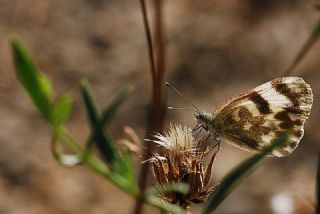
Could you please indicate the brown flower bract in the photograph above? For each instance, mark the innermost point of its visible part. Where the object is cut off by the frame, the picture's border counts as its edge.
(183, 161)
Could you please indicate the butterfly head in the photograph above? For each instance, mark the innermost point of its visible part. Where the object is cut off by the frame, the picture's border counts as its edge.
(204, 119)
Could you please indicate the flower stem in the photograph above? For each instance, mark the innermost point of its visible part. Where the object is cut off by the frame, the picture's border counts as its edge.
(156, 114)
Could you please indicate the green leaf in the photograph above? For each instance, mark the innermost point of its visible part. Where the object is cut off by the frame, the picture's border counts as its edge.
(45, 86)
(239, 173)
(164, 205)
(92, 109)
(182, 188)
(109, 113)
(123, 166)
(62, 109)
(101, 138)
(35, 83)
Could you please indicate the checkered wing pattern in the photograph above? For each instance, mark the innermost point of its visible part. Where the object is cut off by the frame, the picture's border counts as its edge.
(253, 119)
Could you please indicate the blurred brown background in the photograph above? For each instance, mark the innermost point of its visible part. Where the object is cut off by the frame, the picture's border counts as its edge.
(215, 50)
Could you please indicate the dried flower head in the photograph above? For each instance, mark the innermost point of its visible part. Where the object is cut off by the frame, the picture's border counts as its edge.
(183, 161)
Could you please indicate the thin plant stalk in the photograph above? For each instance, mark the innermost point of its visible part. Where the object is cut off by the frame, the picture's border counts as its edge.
(318, 187)
(156, 114)
(149, 40)
(160, 63)
(303, 51)
(146, 153)
(93, 163)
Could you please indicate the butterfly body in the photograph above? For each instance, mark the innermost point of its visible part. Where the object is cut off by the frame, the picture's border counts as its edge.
(255, 118)
(205, 120)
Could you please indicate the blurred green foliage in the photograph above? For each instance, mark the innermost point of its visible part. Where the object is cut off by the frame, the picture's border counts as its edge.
(117, 164)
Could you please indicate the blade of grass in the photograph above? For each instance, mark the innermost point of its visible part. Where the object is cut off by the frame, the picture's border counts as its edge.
(36, 84)
(92, 109)
(238, 174)
(110, 111)
(101, 138)
(108, 114)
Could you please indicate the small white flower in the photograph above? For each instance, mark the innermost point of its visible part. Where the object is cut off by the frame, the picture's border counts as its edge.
(176, 139)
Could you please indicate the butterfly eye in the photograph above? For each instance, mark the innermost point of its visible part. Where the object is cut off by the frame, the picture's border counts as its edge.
(199, 116)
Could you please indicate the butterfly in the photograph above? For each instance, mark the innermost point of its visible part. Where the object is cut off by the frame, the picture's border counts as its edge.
(252, 120)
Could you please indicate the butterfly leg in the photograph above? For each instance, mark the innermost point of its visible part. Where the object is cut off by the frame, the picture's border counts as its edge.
(197, 128)
(217, 140)
(206, 143)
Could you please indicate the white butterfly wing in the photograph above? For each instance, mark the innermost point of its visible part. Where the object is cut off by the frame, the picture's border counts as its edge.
(252, 120)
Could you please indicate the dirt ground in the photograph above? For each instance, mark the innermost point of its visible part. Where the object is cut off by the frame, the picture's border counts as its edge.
(214, 50)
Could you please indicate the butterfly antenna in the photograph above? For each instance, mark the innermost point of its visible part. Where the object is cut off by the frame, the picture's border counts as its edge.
(178, 108)
(174, 108)
(186, 99)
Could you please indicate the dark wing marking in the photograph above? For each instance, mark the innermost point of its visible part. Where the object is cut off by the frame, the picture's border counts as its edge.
(253, 119)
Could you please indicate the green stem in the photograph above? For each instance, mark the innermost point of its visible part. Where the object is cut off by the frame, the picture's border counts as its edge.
(98, 166)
